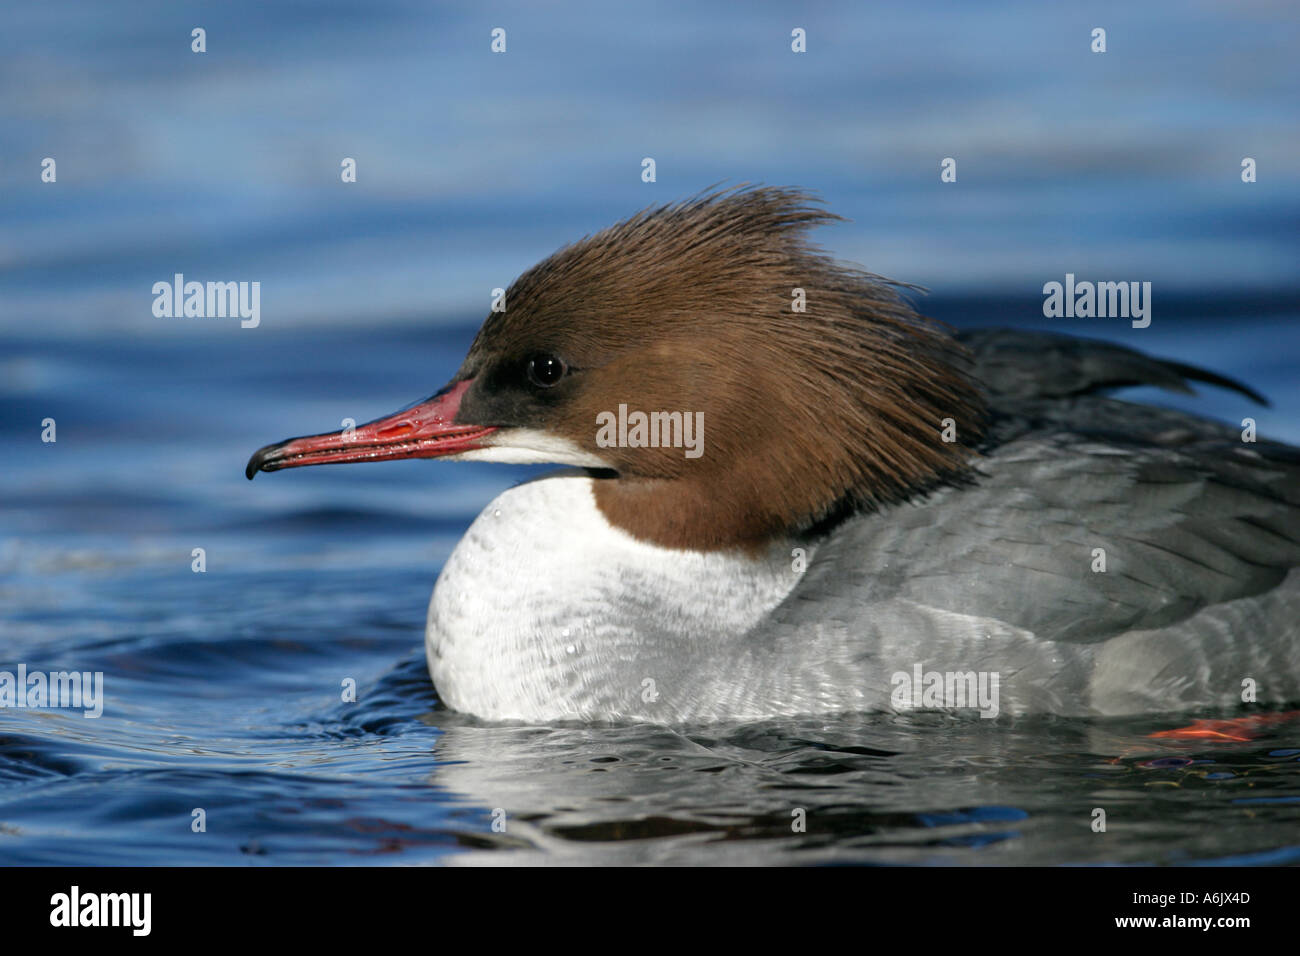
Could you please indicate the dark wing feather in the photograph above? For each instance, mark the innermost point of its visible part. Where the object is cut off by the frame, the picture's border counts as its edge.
(1015, 363)
(1186, 513)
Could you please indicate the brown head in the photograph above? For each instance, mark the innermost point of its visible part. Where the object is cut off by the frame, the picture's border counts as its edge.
(690, 309)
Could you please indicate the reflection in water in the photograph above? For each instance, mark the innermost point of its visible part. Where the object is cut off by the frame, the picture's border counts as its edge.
(919, 789)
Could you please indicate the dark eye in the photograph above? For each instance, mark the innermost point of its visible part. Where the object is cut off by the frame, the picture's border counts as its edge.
(545, 370)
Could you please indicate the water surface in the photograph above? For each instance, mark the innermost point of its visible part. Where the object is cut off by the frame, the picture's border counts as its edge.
(224, 688)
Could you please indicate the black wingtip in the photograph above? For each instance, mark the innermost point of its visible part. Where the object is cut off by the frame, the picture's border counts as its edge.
(1213, 378)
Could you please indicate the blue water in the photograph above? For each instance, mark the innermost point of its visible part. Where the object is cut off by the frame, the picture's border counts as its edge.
(223, 688)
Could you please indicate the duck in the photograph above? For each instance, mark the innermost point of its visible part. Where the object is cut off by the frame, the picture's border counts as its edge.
(782, 491)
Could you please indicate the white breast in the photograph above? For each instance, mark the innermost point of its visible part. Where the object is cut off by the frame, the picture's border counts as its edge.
(545, 611)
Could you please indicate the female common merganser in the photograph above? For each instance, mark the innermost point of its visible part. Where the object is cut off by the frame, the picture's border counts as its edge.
(792, 494)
